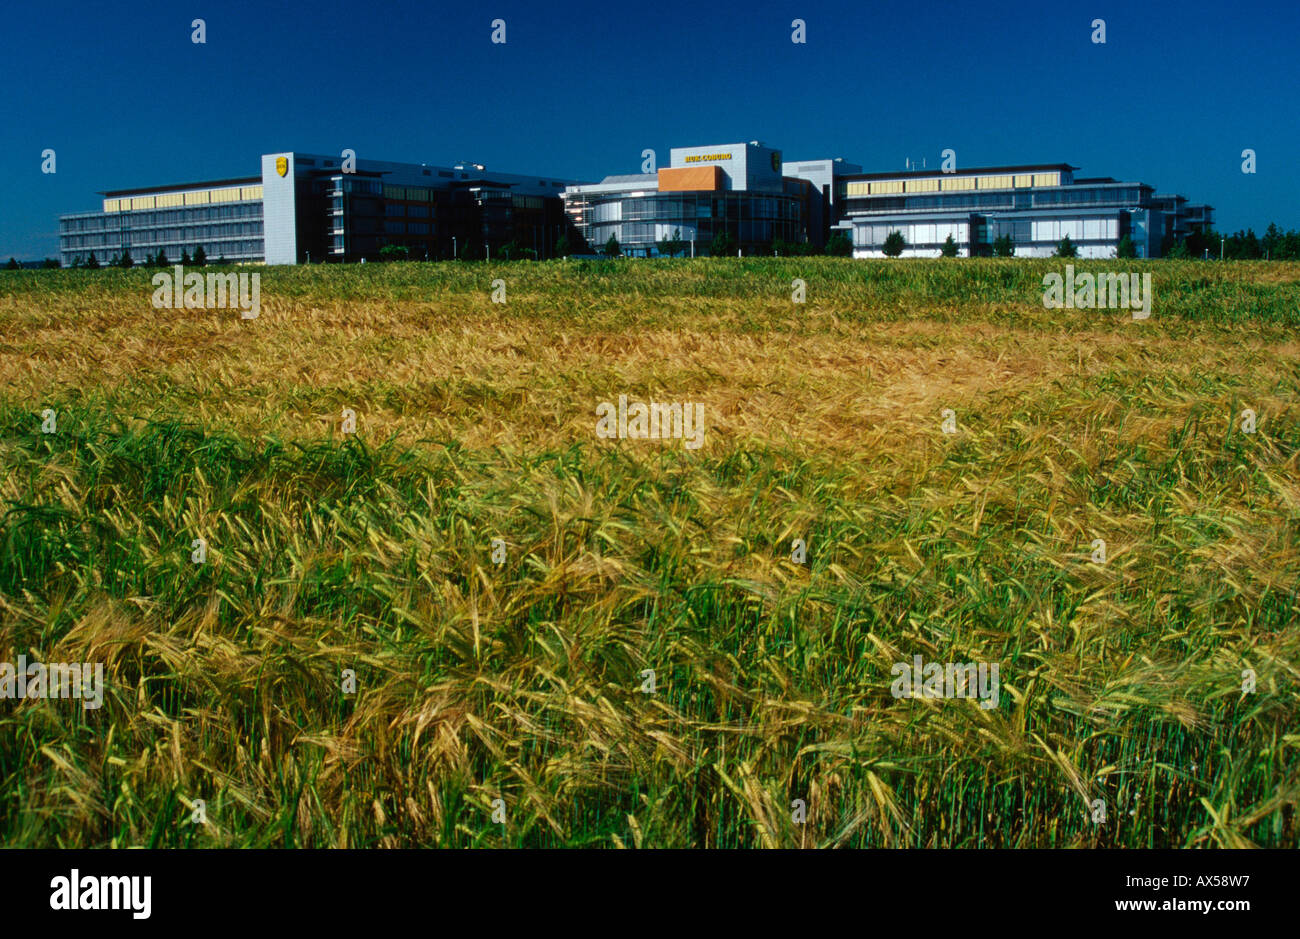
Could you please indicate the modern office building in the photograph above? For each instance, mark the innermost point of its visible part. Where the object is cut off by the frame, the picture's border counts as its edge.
(310, 208)
(1036, 205)
(225, 216)
(743, 189)
(305, 207)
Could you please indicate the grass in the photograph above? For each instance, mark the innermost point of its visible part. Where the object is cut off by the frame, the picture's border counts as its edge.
(371, 552)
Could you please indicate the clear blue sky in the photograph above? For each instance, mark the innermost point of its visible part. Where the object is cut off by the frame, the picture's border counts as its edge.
(124, 97)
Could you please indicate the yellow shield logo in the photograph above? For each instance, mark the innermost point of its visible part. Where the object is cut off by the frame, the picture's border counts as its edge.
(282, 165)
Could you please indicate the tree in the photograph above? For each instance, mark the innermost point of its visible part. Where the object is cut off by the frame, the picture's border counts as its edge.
(1272, 241)
(1126, 248)
(1066, 248)
(722, 244)
(1248, 245)
(894, 244)
(672, 245)
(200, 256)
(51, 263)
(127, 260)
(563, 247)
(1004, 247)
(12, 265)
(185, 256)
(838, 245)
(393, 253)
(949, 249)
(92, 262)
(612, 247)
(1178, 251)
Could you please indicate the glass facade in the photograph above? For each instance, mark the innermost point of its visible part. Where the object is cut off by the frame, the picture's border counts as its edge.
(226, 222)
(640, 220)
(1034, 209)
(464, 220)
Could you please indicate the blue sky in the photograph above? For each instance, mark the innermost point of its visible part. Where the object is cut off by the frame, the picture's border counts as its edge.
(124, 97)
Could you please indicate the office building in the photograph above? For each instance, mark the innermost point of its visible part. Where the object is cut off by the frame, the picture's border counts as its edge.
(309, 208)
(1035, 205)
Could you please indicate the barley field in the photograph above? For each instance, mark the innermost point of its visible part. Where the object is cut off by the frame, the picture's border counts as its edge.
(1160, 685)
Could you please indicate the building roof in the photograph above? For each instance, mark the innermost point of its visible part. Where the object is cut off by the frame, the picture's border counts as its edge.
(632, 178)
(207, 184)
(973, 171)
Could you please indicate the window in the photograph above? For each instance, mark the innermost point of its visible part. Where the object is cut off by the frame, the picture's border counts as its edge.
(957, 184)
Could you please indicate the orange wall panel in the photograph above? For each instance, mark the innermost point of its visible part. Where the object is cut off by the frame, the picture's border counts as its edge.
(691, 179)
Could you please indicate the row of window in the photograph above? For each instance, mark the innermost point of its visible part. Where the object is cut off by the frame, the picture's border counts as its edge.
(1021, 231)
(403, 228)
(231, 250)
(161, 236)
(950, 184)
(915, 233)
(194, 197)
(120, 221)
(649, 233)
(681, 208)
(1001, 200)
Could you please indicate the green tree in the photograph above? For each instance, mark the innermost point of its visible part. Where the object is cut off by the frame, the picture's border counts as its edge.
(1126, 248)
(127, 260)
(1179, 250)
(949, 249)
(612, 247)
(51, 262)
(1272, 241)
(563, 247)
(839, 245)
(13, 265)
(393, 253)
(1066, 248)
(1248, 245)
(200, 256)
(894, 244)
(92, 262)
(722, 245)
(185, 256)
(672, 245)
(1004, 247)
